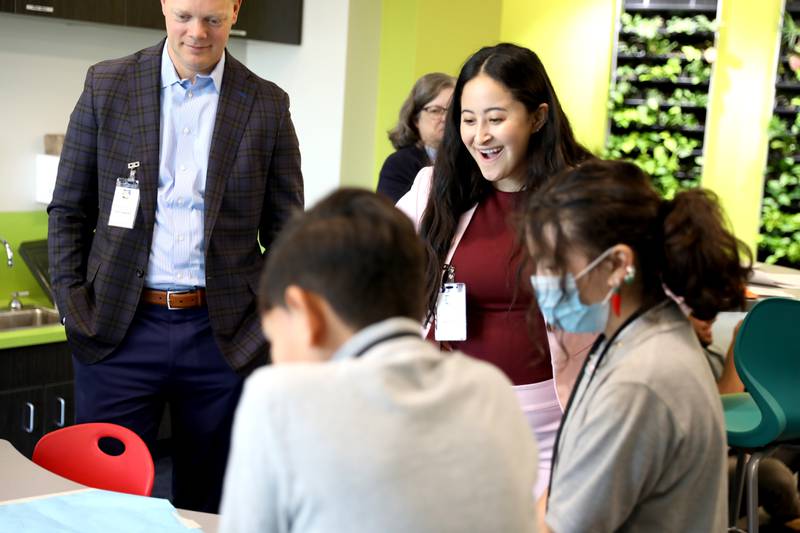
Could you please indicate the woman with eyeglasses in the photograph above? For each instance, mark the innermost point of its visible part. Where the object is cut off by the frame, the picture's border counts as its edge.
(417, 135)
(505, 136)
(642, 446)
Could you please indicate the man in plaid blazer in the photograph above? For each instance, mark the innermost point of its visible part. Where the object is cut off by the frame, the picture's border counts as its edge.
(161, 307)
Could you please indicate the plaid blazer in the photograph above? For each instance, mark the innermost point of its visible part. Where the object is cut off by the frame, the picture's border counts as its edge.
(253, 184)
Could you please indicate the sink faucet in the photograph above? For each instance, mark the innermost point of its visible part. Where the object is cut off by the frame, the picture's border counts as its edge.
(15, 304)
(9, 252)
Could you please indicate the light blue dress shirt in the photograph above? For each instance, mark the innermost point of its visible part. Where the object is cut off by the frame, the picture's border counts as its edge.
(188, 113)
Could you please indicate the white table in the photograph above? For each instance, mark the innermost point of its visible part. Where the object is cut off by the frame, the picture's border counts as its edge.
(22, 478)
(775, 269)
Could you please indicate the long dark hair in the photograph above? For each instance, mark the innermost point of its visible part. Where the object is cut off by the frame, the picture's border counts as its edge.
(457, 180)
(682, 244)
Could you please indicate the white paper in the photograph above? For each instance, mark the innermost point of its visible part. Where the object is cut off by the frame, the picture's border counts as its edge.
(775, 279)
(761, 290)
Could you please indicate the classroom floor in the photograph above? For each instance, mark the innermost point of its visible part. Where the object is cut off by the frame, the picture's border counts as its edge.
(162, 486)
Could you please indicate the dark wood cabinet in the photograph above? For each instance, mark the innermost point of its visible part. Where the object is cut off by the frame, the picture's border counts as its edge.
(21, 418)
(276, 20)
(105, 11)
(59, 406)
(36, 393)
(144, 14)
(263, 20)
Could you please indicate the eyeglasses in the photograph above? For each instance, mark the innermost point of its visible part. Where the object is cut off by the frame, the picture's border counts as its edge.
(435, 110)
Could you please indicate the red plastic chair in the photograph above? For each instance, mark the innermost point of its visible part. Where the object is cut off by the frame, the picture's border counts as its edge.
(73, 452)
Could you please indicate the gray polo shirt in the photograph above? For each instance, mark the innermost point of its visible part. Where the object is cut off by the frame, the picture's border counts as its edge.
(643, 445)
(402, 439)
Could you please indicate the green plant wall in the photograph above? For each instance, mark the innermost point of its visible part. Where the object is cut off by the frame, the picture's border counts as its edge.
(658, 100)
(779, 239)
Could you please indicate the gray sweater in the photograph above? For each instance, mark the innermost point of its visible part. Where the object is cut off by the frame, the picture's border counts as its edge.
(642, 447)
(402, 439)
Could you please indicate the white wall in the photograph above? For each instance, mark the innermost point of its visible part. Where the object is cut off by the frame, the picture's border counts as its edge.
(43, 63)
(42, 66)
(314, 76)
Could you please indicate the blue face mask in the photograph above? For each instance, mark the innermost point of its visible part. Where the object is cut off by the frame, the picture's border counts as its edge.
(564, 309)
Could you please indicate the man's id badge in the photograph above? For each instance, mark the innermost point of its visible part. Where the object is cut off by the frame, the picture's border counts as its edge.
(451, 313)
(126, 200)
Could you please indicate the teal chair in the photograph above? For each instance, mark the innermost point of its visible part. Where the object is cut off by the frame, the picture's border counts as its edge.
(768, 415)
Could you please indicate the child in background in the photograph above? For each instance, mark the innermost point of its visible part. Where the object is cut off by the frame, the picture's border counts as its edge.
(361, 425)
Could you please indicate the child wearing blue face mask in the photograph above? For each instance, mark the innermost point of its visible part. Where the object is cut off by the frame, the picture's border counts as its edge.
(642, 443)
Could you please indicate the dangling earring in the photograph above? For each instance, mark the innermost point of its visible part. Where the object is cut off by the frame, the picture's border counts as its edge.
(616, 298)
(616, 301)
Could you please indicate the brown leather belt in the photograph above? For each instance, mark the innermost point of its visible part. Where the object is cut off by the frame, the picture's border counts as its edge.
(175, 299)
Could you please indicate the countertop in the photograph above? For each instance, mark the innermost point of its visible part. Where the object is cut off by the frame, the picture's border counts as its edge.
(32, 336)
(16, 338)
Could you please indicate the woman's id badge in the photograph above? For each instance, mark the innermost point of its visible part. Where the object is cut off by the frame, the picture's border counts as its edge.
(451, 313)
(126, 200)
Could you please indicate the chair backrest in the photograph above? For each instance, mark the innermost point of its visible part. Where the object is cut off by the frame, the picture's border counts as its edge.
(73, 452)
(768, 362)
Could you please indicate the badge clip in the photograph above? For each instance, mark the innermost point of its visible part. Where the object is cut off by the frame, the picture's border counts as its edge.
(448, 275)
(132, 166)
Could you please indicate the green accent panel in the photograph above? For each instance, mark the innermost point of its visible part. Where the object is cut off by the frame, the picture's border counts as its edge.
(396, 70)
(575, 41)
(740, 106)
(361, 93)
(421, 37)
(19, 227)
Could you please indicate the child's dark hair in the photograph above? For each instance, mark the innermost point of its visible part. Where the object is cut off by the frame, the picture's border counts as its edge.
(682, 243)
(357, 251)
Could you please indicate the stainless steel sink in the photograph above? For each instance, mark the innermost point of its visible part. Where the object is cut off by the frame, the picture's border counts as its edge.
(28, 318)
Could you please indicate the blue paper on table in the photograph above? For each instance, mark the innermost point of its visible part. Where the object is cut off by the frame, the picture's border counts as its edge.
(91, 511)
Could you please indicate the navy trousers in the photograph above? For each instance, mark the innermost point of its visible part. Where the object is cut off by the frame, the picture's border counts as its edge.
(169, 356)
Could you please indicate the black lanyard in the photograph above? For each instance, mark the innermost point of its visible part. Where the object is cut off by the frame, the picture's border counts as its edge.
(390, 336)
(639, 312)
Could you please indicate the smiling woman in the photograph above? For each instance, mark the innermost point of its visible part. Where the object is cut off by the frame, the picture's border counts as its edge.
(197, 33)
(496, 130)
(505, 135)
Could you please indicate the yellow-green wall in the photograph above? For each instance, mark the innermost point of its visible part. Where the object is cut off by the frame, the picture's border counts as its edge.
(575, 41)
(361, 93)
(20, 227)
(740, 106)
(421, 36)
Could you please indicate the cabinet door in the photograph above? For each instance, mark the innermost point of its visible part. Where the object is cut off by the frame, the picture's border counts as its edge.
(144, 14)
(59, 406)
(7, 6)
(107, 11)
(277, 20)
(21, 419)
(45, 8)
